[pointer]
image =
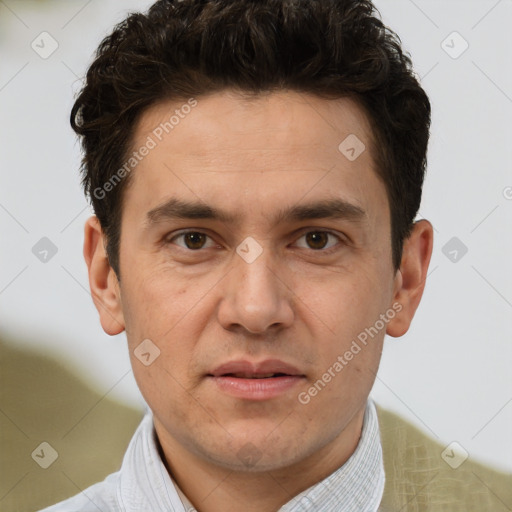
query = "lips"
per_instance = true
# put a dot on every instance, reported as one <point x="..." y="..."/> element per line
<point x="256" y="381"/>
<point x="263" y="370"/>
<point x="254" y="375"/>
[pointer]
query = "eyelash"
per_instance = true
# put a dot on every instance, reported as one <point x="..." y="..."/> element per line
<point x="304" y="233"/>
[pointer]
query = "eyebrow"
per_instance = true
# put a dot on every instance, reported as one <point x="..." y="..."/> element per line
<point x="324" y="209"/>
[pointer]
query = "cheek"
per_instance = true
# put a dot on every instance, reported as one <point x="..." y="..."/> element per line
<point x="161" y="306"/>
<point x="156" y="301"/>
<point x="347" y="318"/>
<point x="346" y="301"/>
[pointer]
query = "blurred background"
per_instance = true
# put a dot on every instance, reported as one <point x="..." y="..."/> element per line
<point x="450" y="375"/>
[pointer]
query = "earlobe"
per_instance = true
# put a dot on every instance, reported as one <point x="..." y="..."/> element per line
<point x="410" y="278"/>
<point x="103" y="281"/>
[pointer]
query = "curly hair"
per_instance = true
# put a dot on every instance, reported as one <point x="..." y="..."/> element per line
<point x="187" y="48"/>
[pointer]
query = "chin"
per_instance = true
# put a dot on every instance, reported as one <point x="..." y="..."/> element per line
<point x="258" y="453"/>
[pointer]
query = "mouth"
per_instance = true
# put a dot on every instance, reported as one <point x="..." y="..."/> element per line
<point x="254" y="375"/>
<point x="256" y="381"/>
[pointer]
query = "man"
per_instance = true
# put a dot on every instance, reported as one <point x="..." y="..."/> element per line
<point x="255" y="170"/>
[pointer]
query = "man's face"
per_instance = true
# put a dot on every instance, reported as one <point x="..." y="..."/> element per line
<point x="290" y="301"/>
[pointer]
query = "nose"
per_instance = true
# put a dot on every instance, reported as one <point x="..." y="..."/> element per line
<point x="255" y="296"/>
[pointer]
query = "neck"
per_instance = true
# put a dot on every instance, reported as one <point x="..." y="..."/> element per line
<point x="211" y="488"/>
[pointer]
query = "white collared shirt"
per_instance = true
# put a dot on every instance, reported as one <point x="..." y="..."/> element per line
<point x="144" y="485"/>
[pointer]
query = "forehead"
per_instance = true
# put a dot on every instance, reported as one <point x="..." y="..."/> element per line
<point x="260" y="152"/>
<point x="270" y="122"/>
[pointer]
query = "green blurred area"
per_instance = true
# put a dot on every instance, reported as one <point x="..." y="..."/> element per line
<point x="42" y="401"/>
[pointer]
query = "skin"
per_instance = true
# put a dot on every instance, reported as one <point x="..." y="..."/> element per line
<point x="298" y="301"/>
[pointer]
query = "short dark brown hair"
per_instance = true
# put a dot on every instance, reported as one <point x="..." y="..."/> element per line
<point x="187" y="48"/>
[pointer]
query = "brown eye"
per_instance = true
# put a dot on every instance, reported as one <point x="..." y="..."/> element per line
<point x="317" y="239"/>
<point x="192" y="240"/>
<point x="320" y="241"/>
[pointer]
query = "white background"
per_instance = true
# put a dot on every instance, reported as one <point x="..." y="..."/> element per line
<point x="450" y="375"/>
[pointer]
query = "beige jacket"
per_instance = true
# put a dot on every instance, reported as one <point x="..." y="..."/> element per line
<point x="419" y="480"/>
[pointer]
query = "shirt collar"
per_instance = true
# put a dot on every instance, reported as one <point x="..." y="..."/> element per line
<point x="358" y="485"/>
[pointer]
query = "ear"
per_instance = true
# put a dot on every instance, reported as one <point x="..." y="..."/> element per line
<point x="410" y="278"/>
<point x="103" y="281"/>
